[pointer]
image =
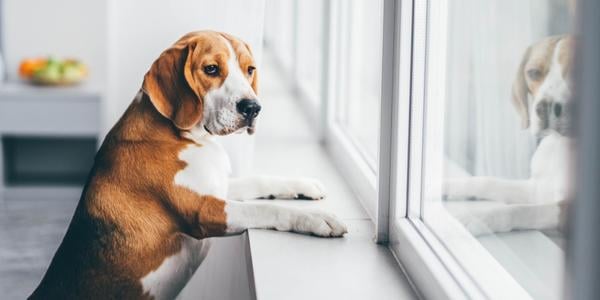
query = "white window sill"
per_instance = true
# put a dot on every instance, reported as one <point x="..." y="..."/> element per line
<point x="532" y="258"/>
<point x="294" y="266"/>
<point x="287" y="266"/>
<point x="265" y="264"/>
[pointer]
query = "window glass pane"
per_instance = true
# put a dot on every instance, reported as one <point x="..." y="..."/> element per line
<point x="309" y="52"/>
<point x="497" y="135"/>
<point x="358" y="100"/>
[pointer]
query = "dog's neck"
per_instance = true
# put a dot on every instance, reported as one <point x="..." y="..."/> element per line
<point x="142" y="122"/>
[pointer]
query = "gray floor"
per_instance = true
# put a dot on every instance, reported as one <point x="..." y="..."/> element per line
<point x="30" y="232"/>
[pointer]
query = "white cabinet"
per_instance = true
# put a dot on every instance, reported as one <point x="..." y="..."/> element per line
<point x="48" y="136"/>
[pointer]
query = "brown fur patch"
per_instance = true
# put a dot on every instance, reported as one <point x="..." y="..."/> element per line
<point x="245" y="59"/>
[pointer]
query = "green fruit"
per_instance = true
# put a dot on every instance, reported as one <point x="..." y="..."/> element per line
<point x="53" y="62"/>
<point x="71" y="73"/>
<point x="50" y="73"/>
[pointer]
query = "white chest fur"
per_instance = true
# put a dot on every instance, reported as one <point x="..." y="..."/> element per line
<point x="171" y="276"/>
<point x="206" y="173"/>
<point x="551" y="168"/>
<point x="207" y="169"/>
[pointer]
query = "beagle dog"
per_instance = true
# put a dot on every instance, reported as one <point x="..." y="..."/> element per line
<point x="542" y="95"/>
<point x="160" y="185"/>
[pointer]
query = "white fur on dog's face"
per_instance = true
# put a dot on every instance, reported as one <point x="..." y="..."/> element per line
<point x="220" y="114"/>
<point x="553" y="92"/>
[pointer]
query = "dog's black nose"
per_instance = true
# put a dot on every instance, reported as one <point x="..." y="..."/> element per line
<point x="248" y="108"/>
<point x="557" y="109"/>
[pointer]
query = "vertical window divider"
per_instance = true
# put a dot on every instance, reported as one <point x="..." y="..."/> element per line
<point x="327" y="41"/>
<point x="294" y="70"/>
<point x="388" y="143"/>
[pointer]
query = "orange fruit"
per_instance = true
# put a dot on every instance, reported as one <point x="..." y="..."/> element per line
<point x="29" y="66"/>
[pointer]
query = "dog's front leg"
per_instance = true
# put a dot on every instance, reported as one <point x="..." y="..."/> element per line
<point x="211" y="216"/>
<point x="491" y="188"/>
<point x="254" y="187"/>
<point x="487" y="217"/>
<point x="242" y="216"/>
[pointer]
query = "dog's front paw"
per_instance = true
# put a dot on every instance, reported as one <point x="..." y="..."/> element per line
<point x="302" y="188"/>
<point x="320" y="224"/>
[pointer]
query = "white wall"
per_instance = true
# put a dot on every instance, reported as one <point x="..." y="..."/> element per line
<point x="119" y="39"/>
<point x="64" y="28"/>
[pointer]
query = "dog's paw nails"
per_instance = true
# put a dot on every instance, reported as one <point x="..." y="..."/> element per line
<point x="308" y="189"/>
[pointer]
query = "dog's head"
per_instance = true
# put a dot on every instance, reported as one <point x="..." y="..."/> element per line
<point x="542" y="91"/>
<point x="206" y="80"/>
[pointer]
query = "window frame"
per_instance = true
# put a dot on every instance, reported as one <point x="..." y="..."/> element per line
<point x="358" y="170"/>
<point x="459" y="266"/>
<point x="392" y="195"/>
<point x="310" y="102"/>
<point x="346" y="153"/>
<point x="583" y="260"/>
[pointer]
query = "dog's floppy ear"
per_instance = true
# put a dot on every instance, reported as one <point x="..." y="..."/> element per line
<point x="520" y="92"/>
<point x="169" y="84"/>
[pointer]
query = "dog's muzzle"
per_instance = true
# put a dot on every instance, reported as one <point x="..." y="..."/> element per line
<point x="556" y="116"/>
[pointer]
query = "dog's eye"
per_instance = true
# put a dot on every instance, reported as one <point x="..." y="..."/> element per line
<point x="211" y="70"/>
<point x="534" y="74"/>
<point x="251" y="70"/>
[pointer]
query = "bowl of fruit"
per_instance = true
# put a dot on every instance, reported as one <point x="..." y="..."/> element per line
<point x="52" y="71"/>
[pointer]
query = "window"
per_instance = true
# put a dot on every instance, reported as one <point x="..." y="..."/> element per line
<point x="309" y="52"/>
<point x="424" y="107"/>
<point x="467" y="180"/>
<point x="295" y="35"/>
<point x="330" y="52"/>
<point x="359" y="70"/>
<point x="353" y="96"/>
